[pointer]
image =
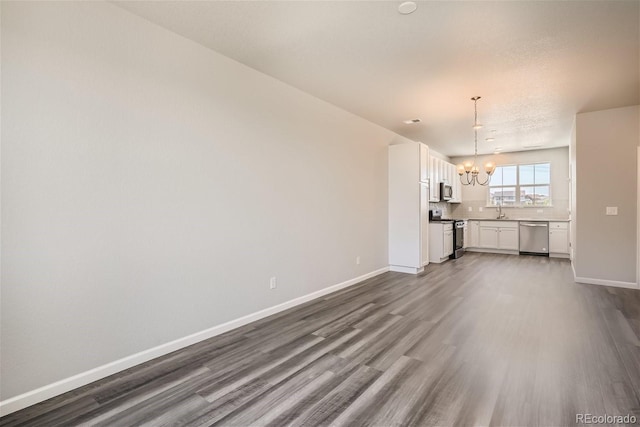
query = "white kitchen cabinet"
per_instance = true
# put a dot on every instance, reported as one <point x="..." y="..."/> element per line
<point x="448" y="242"/>
<point x="447" y="172"/>
<point x="472" y="239"/>
<point x="444" y="176"/>
<point x="456" y="186"/>
<point x="434" y="179"/>
<point x="508" y="239"/>
<point x="441" y="171"/>
<point x="440" y="241"/>
<point x="559" y="238"/>
<point x="408" y="208"/>
<point x="501" y="235"/>
<point x="488" y="237"/>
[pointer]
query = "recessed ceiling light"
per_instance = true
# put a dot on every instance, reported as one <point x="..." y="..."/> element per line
<point x="407" y="7"/>
<point x="490" y="139"/>
<point x="412" y="121"/>
<point x="498" y="148"/>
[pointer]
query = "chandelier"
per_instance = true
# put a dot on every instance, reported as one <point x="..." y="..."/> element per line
<point x="469" y="167"/>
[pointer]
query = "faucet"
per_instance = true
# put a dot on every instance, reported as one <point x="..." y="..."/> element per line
<point x="500" y="214"/>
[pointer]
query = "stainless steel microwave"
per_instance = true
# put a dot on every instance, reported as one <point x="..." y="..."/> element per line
<point x="446" y="192"/>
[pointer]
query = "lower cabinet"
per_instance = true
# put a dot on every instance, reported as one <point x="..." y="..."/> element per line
<point x="559" y="238"/>
<point x="440" y="242"/>
<point x="472" y="239"/>
<point x="488" y="237"/>
<point x="448" y="242"/>
<point x="499" y="235"/>
<point x="508" y="238"/>
<point x="504" y="235"/>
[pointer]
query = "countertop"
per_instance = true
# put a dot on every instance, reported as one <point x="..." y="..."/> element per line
<point x="519" y="219"/>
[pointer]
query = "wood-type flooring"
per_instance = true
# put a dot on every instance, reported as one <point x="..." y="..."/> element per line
<point x="482" y="340"/>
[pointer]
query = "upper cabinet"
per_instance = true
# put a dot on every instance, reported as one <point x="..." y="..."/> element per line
<point x="456" y="185"/>
<point x="441" y="171"/>
<point x="434" y="179"/>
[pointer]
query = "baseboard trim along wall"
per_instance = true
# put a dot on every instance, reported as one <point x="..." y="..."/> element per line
<point x="602" y="282"/>
<point x="401" y="269"/>
<point x="51" y="390"/>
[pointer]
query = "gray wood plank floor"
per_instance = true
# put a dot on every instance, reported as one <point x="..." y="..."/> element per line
<point x="482" y="340"/>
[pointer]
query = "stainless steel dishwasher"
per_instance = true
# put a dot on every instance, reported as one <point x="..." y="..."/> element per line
<point x="534" y="238"/>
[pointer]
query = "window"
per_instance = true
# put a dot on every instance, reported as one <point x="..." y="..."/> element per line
<point x="521" y="185"/>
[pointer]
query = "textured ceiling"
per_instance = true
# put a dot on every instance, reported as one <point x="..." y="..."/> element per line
<point x="535" y="64"/>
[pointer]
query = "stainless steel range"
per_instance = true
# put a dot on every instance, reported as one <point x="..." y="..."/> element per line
<point x="458" y="238"/>
<point x="435" y="215"/>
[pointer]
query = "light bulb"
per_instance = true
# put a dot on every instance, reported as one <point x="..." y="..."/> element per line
<point x="489" y="168"/>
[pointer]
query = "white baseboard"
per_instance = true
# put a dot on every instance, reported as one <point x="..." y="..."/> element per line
<point x="59" y="387"/>
<point x="402" y="269"/>
<point x="603" y="282"/>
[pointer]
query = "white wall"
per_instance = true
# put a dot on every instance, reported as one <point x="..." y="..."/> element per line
<point x="475" y="197"/>
<point x="606" y="165"/>
<point x="150" y="188"/>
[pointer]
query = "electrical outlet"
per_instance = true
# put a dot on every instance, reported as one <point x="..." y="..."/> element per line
<point x="539" y="210"/>
<point x="612" y="210"/>
<point x="480" y="209"/>
<point x="273" y="283"/>
<point x="358" y="260"/>
<point x="470" y="209"/>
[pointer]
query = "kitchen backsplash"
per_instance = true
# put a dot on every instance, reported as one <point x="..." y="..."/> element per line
<point x="446" y="208"/>
<point x="560" y="210"/>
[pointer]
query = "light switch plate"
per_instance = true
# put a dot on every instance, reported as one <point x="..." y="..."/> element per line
<point x="470" y="209"/>
<point x="480" y="209"/>
<point x="612" y="210"/>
